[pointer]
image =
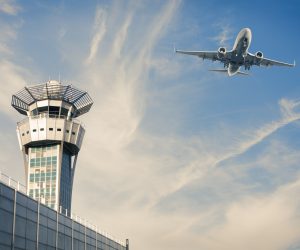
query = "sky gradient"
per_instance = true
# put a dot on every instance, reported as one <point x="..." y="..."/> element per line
<point x="174" y="156"/>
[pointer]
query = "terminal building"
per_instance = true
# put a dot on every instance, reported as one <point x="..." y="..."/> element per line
<point x="39" y="216"/>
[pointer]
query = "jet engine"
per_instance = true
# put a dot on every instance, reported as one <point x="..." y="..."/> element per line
<point x="259" y="56"/>
<point x="221" y="52"/>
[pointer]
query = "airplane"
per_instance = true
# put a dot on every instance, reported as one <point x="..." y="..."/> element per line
<point x="238" y="56"/>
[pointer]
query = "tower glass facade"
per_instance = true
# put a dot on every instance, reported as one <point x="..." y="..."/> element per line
<point x="66" y="180"/>
<point x="49" y="181"/>
<point x="43" y="177"/>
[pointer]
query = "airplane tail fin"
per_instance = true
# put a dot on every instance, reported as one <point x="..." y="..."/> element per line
<point x="225" y="71"/>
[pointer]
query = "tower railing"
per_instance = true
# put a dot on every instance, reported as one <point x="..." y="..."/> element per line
<point x="12" y="183"/>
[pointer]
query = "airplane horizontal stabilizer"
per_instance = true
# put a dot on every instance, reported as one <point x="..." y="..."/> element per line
<point x="225" y="71"/>
<point x="219" y="70"/>
<point x="242" y="73"/>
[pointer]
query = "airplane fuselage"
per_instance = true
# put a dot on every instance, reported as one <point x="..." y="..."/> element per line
<point x="240" y="50"/>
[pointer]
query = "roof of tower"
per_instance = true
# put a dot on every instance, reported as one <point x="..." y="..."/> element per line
<point x="52" y="90"/>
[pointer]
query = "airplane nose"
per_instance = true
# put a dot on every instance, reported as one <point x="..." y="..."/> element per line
<point x="247" y="31"/>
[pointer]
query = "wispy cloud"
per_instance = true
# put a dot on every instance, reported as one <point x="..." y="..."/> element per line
<point x="200" y="168"/>
<point x="99" y="32"/>
<point x="153" y="168"/>
<point x="11" y="74"/>
<point x="121" y="37"/>
<point x="225" y="34"/>
<point x="258" y="222"/>
<point x="8" y="33"/>
<point x="13" y="78"/>
<point x="289" y="115"/>
<point x="121" y="74"/>
<point x="9" y="7"/>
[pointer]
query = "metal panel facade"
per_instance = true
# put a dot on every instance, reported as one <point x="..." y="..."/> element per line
<point x="27" y="224"/>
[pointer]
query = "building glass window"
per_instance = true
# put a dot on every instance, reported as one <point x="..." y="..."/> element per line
<point x="42" y="174"/>
<point x="66" y="181"/>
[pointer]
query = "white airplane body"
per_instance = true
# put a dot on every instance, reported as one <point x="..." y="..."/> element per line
<point x="238" y="56"/>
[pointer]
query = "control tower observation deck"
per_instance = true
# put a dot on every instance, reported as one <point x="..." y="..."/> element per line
<point x="50" y="139"/>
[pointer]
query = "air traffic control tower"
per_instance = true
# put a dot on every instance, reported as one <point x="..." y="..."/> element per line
<point x="50" y="139"/>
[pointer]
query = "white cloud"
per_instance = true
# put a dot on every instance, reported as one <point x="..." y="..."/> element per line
<point x="289" y="115"/>
<point x="224" y="35"/>
<point x="268" y="222"/>
<point x="4" y="49"/>
<point x="12" y="77"/>
<point x="121" y="37"/>
<point x="9" y="7"/>
<point x="121" y="75"/>
<point x="7" y="35"/>
<point x="207" y="161"/>
<point x="99" y="32"/>
<point x="11" y="74"/>
<point x="131" y="170"/>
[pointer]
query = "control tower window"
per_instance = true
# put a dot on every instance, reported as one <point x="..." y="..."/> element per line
<point x="53" y="111"/>
<point x="43" y="110"/>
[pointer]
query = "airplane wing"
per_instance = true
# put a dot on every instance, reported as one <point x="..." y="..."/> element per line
<point x="211" y="55"/>
<point x="269" y="62"/>
<point x="253" y="60"/>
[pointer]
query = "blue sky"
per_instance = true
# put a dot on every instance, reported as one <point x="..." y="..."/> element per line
<point x="172" y="152"/>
